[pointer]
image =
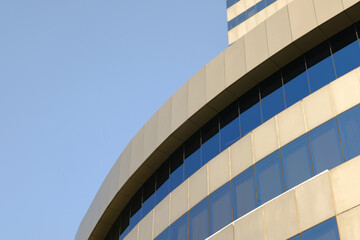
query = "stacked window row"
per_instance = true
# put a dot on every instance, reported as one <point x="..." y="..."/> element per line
<point x="249" y="13"/>
<point x="308" y="155"/>
<point x="308" y="73"/>
<point x="327" y="230"/>
<point x="229" y="3"/>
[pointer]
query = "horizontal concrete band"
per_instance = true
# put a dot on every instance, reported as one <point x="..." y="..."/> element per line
<point x="333" y="99"/>
<point x="245" y="63"/>
<point x="331" y="193"/>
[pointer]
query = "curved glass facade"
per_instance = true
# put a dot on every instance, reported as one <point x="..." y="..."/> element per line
<point x="318" y="67"/>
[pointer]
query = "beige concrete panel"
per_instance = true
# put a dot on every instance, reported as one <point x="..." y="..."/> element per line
<point x="302" y="17"/>
<point x="219" y="171"/>
<point x="345" y="181"/>
<point x="179" y="109"/>
<point x="314" y="201"/>
<point x="137" y="147"/>
<point x="164" y="121"/>
<point x="150" y="135"/>
<point x="226" y="233"/>
<point x="251" y="23"/>
<point x="215" y="76"/>
<point x="346" y="91"/>
<point x="241" y="155"/>
<point x="196" y="92"/>
<point x="349" y="224"/>
<point x="280" y="216"/>
<point x="260" y="16"/>
<point x="326" y="9"/>
<point x="256" y="49"/>
<point x="265" y="139"/>
<point x="161" y="216"/>
<point x="198" y="186"/>
<point x="318" y="108"/>
<point x="249" y="3"/>
<point x="231" y="12"/>
<point x="179" y="201"/>
<point x="251" y="226"/>
<point x="278" y="31"/>
<point x="125" y="159"/>
<point x="237" y="32"/>
<point x="234" y="62"/>
<point x="146" y="227"/>
<point x="349" y="3"/>
<point x="112" y="180"/>
<point x="133" y="234"/>
<point x="291" y="123"/>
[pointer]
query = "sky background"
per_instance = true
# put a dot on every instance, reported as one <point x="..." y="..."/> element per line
<point x="78" y="79"/>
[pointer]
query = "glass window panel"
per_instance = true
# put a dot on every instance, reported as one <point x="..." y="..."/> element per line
<point x="296" y="162"/>
<point x="272" y="96"/>
<point x="164" y="235"/>
<point x="220" y="208"/>
<point x="162" y="182"/>
<point x="324" y="231"/>
<point x="179" y="229"/>
<point x="346" y="51"/>
<point x="240" y="18"/>
<point x="260" y="5"/>
<point x="297" y="237"/>
<point x="199" y="221"/>
<point x="251" y="11"/>
<point x="210" y="146"/>
<point x="124" y="222"/>
<point x="148" y="195"/>
<point x="349" y="126"/>
<point x="269" y="2"/>
<point x="250" y="112"/>
<point x="244" y="192"/>
<point x="296" y="84"/>
<point x="192" y="155"/>
<point x="320" y="66"/>
<point x="232" y="23"/>
<point x="176" y="168"/>
<point x="325" y="147"/>
<point x="269" y="178"/>
<point x="135" y="208"/>
<point x="229" y="126"/>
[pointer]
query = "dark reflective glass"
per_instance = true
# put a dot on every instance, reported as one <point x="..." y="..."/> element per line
<point x="244" y="192"/>
<point x="349" y="126"/>
<point x="297" y="237"/>
<point x="164" y="235"/>
<point x="210" y="146"/>
<point x="179" y="229"/>
<point x="220" y="208"/>
<point x="272" y="96"/>
<point x="260" y="5"/>
<point x="199" y="221"/>
<point x="296" y="84"/>
<point x="162" y="182"/>
<point x="148" y="195"/>
<point x="229" y="126"/>
<point x="320" y="66"/>
<point x="324" y="231"/>
<point x="251" y="11"/>
<point x="346" y="51"/>
<point x="176" y="161"/>
<point x="296" y="162"/>
<point x="192" y="155"/>
<point x="241" y="18"/>
<point x="269" y="2"/>
<point x="135" y="209"/>
<point x="232" y="23"/>
<point x="114" y="232"/>
<point x="250" y="112"/>
<point x="325" y="147"/>
<point x="124" y="222"/>
<point x="269" y="178"/>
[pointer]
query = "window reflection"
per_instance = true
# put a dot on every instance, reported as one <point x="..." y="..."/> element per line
<point x="250" y="112"/>
<point x="148" y="195"/>
<point x="192" y="155"/>
<point x="135" y="209"/>
<point x="297" y="237"/>
<point x="164" y="235"/>
<point x="324" y="231"/>
<point x="325" y="147"/>
<point x="162" y="182"/>
<point x="124" y="222"/>
<point x="210" y="146"/>
<point x="179" y="229"/>
<point x="176" y="169"/>
<point x="229" y="126"/>
<point x="199" y="221"/>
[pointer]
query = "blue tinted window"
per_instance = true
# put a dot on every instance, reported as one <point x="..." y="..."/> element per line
<point x="346" y="51"/>
<point x="210" y="146"/>
<point x="229" y="126"/>
<point x="232" y="23"/>
<point x="250" y="112"/>
<point x="244" y="192"/>
<point x="192" y="155"/>
<point x="179" y="229"/>
<point x="241" y="18"/>
<point x="260" y="6"/>
<point x="220" y="208"/>
<point x="296" y="162"/>
<point x="324" y="231"/>
<point x="164" y="235"/>
<point x="162" y="182"/>
<point x="135" y="209"/>
<point x="269" y="2"/>
<point x="251" y="12"/>
<point x="295" y="82"/>
<point x="269" y="178"/>
<point x="349" y="126"/>
<point x="325" y="146"/>
<point x="272" y="97"/>
<point x="297" y="237"/>
<point x="148" y="195"/>
<point x="176" y="161"/>
<point x="199" y="221"/>
<point x="320" y="66"/>
<point x="124" y="222"/>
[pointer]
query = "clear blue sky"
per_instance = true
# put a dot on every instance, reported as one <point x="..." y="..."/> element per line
<point x="78" y="79"/>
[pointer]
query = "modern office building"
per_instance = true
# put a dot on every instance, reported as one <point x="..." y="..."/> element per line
<point x="261" y="143"/>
